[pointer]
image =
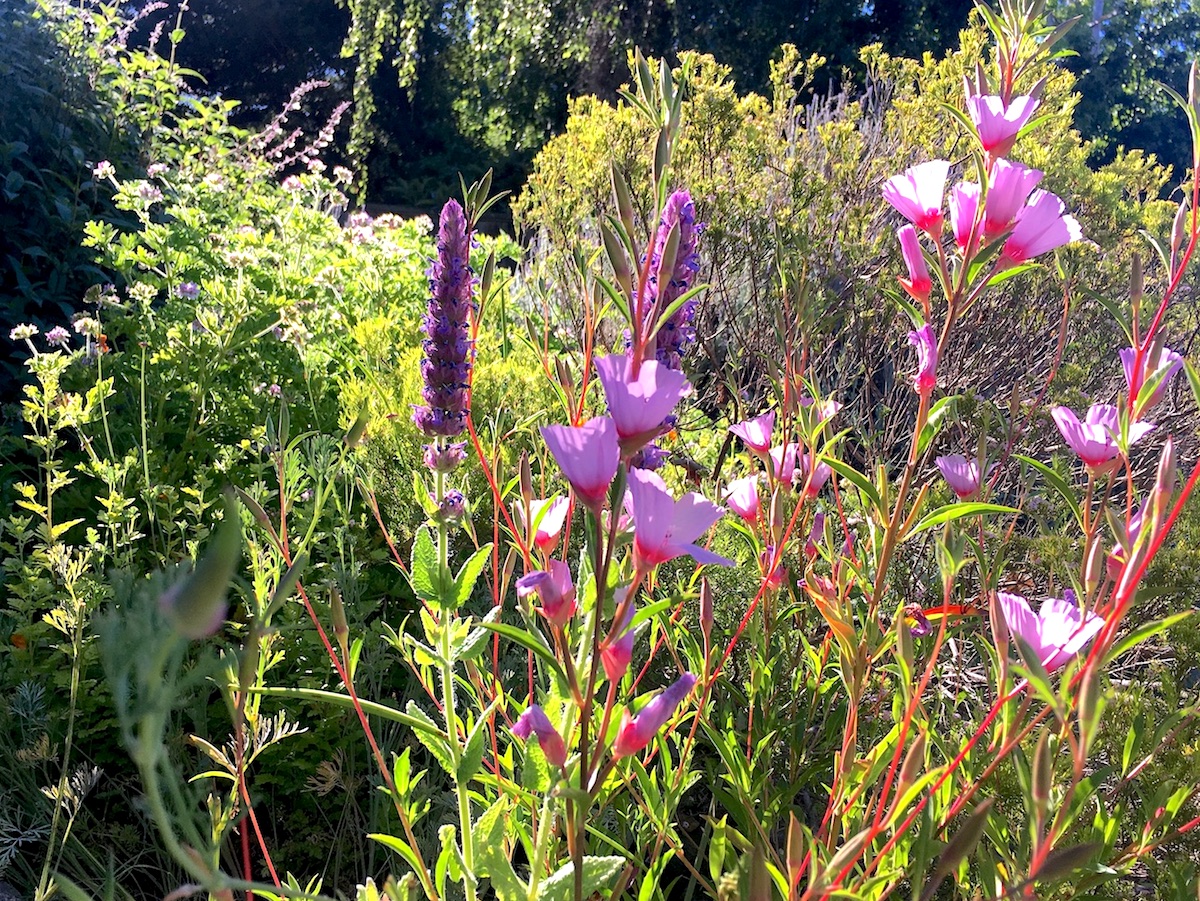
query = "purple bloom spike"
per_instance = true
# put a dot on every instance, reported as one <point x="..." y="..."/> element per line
<point x="677" y="331"/>
<point x="449" y="352"/>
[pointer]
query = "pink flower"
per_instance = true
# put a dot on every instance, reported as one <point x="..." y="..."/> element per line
<point x="550" y="525"/>
<point x="1041" y="227"/>
<point x="637" y="732"/>
<point x="554" y="589"/>
<point x="917" y="194"/>
<point x="535" y="722"/>
<point x="1167" y="364"/>
<point x="997" y="124"/>
<point x="815" y="534"/>
<point x="820" y="475"/>
<point x="918" y="283"/>
<point x="925" y="341"/>
<point x="964" y="206"/>
<point x="665" y="528"/>
<point x="639" y="406"/>
<point x="742" y="496"/>
<point x="825" y="409"/>
<point x="1095" y="439"/>
<point x="588" y="456"/>
<point x="1117" y="556"/>
<point x="756" y="432"/>
<point x="774" y="578"/>
<point x="1010" y="187"/>
<point x="616" y="654"/>
<point x="783" y="462"/>
<point x="1058" y="632"/>
<point x="961" y="474"/>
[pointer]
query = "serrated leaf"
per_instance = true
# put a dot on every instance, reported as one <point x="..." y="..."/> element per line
<point x="425" y="574"/>
<point x="535" y="772"/>
<point x="432" y="738"/>
<point x="598" y="874"/>
<point x="490" y="859"/>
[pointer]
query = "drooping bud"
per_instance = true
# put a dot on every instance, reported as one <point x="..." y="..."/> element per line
<point x="196" y="604"/>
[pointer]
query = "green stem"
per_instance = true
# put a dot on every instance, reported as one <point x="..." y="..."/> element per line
<point x="538" y="865"/>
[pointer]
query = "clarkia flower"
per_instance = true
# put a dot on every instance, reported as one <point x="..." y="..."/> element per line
<point x="819" y="475"/>
<point x="1168" y="363"/>
<point x="665" y="528"/>
<point x="783" y="461"/>
<point x="639" y="406"/>
<point x="772" y="578"/>
<point x="925" y="341"/>
<point x="550" y="526"/>
<point x="449" y="351"/>
<point x="554" y="589"/>
<point x="961" y="474"/>
<point x="615" y="655"/>
<point x="918" y="283"/>
<point x="588" y="456"/>
<point x="742" y="497"/>
<point x="815" y="534"/>
<point x="997" y="123"/>
<point x="1095" y="439"/>
<point x="756" y="432"/>
<point x="1058" y="632"/>
<point x="1041" y="227"/>
<point x="964" y="206"/>
<point x="917" y="194"/>
<point x="535" y="722"/>
<point x="677" y="331"/>
<point x="1010" y="186"/>
<point x="637" y="732"/>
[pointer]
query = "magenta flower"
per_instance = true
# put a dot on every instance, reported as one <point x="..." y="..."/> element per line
<point x="535" y="722"/>
<point x="820" y="475"/>
<point x="588" y="456"/>
<point x="1041" y="227"/>
<point x="925" y="341"/>
<point x="554" y="589"/>
<point x="917" y="194"/>
<point x="639" y="406"/>
<point x="1010" y="187"/>
<point x="550" y="526"/>
<point x="665" y="528"/>
<point x="918" y="283"/>
<point x="615" y="655"/>
<point x="1095" y="439"/>
<point x="756" y="432"/>
<point x="1057" y="633"/>
<point x="1168" y="364"/>
<point x="1117" y="557"/>
<point x="964" y="206"/>
<point x="637" y="732"/>
<point x="742" y="497"/>
<point x="961" y="474"/>
<point x="998" y="124"/>
<point x="58" y="337"/>
<point x="783" y="461"/>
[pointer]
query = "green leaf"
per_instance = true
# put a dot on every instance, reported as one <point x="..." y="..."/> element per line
<point x="1057" y="483"/>
<point x="400" y="846"/>
<point x="933" y="424"/>
<point x="1145" y="632"/>
<point x="432" y="738"/>
<point x="951" y="512"/>
<point x="535" y="772"/>
<point x="425" y="570"/>
<point x="490" y="859"/>
<point x="856" y="478"/>
<point x="598" y="874"/>
<point x="464" y="582"/>
<point x="530" y="641"/>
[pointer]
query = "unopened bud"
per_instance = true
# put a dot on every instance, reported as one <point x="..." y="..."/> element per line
<point x="196" y="604"/>
<point x="1179" y="229"/>
<point x="1164" y="480"/>
<point x="1094" y="569"/>
<point x="706" y="609"/>
<point x="526" y="479"/>
<point x="338" y="612"/>
<point x="359" y="428"/>
<point x="777" y="517"/>
<point x="1137" y="283"/>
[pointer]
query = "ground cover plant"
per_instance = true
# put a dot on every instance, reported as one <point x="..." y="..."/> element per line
<point x="368" y="567"/>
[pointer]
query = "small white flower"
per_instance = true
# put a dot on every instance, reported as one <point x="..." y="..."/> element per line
<point x="23" y="332"/>
<point x="104" y="169"/>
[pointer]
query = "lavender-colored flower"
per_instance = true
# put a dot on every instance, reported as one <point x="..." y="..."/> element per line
<point x="444" y="459"/>
<point x="275" y="391"/>
<point x="292" y="184"/>
<point x="187" y="290"/>
<point x="58" y="337"/>
<point x="154" y="170"/>
<point x="535" y="722"/>
<point x="1058" y="632"/>
<point x="452" y="506"/>
<point x="638" y="731"/>
<point x="449" y="351"/>
<point x="1167" y="364"/>
<point x="961" y="474"/>
<point x="650" y="457"/>
<point x="1095" y="438"/>
<point x="676" y="332"/>
<point x="149" y="193"/>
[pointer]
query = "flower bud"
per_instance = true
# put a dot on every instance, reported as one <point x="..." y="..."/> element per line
<point x="1179" y="229"/>
<point x="526" y="479"/>
<point x="777" y="517"/>
<point x="1094" y="569"/>
<point x="706" y="609"/>
<point x="338" y="612"/>
<point x="196" y="604"/>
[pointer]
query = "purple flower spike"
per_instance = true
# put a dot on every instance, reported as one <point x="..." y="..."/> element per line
<point x="1058" y="632"/>
<point x="639" y="406"/>
<point x="1095" y="439"/>
<point x="535" y="722"/>
<point x="637" y="732"/>
<point x="665" y="528"/>
<point x="677" y="332"/>
<point x="449" y="352"/>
